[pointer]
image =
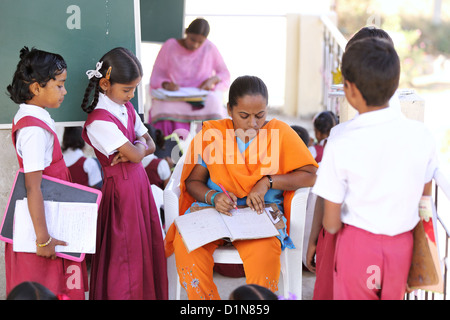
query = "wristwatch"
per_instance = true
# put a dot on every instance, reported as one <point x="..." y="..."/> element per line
<point x="270" y="181"/>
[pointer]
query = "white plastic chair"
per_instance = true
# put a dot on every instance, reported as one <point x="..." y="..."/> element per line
<point x="291" y="259"/>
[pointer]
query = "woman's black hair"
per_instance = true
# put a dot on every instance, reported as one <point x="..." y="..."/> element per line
<point x="34" y="66"/>
<point x="125" y="68"/>
<point x="246" y="85"/>
<point x="72" y="138"/>
<point x="324" y="121"/>
<point x="199" y="26"/>
<point x="29" y="290"/>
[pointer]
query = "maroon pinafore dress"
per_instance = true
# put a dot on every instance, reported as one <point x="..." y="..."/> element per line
<point x="78" y="174"/>
<point x="61" y="276"/>
<point x="129" y="263"/>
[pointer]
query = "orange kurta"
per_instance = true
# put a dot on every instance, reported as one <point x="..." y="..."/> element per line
<point x="277" y="149"/>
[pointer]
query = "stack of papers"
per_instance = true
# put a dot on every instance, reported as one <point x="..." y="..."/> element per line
<point x="72" y="222"/>
<point x="183" y="94"/>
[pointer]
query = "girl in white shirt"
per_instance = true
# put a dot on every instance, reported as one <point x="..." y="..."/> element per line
<point x="129" y="263"/>
<point x="84" y="170"/>
<point x="38" y="84"/>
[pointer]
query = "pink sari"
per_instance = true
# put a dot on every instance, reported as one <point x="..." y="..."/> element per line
<point x="188" y="69"/>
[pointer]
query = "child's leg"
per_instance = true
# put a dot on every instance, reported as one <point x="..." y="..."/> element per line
<point x="261" y="258"/>
<point x="195" y="270"/>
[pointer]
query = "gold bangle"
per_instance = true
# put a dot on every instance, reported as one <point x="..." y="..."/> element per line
<point x="41" y="245"/>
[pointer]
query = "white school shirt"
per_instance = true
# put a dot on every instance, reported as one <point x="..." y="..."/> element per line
<point x="90" y="166"/>
<point x="377" y="167"/>
<point x="34" y="144"/>
<point x="394" y="103"/>
<point x="163" y="168"/>
<point x="105" y="136"/>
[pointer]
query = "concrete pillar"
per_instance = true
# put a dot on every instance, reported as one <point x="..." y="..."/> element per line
<point x="412" y="106"/>
<point x="304" y="59"/>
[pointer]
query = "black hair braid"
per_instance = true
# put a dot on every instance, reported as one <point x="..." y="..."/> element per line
<point x="93" y="85"/>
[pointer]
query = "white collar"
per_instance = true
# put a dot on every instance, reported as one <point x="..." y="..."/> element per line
<point x="72" y="155"/>
<point x="34" y="111"/>
<point x="104" y="102"/>
<point x="375" y="117"/>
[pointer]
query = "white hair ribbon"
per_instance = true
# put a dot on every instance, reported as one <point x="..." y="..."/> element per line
<point x="95" y="73"/>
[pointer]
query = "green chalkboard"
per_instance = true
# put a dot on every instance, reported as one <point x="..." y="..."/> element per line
<point x="161" y="20"/>
<point x="82" y="31"/>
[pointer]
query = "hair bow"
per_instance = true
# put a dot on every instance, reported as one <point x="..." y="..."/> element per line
<point x="95" y="73"/>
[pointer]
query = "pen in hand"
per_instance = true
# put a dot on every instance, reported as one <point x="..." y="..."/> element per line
<point x="170" y="85"/>
<point x="226" y="193"/>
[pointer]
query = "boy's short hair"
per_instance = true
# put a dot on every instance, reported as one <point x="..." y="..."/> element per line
<point x="373" y="65"/>
<point x="369" y="32"/>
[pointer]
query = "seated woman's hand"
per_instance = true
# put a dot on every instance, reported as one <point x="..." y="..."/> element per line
<point x="209" y="83"/>
<point x="171" y="86"/>
<point x="255" y="199"/>
<point x="223" y="204"/>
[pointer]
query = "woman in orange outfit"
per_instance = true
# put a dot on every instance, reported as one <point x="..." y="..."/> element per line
<point x="257" y="162"/>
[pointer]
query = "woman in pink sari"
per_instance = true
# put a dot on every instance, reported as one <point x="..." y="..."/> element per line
<point x="193" y="61"/>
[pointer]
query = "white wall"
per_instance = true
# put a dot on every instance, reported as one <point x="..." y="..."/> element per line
<point x="251" y="36"/>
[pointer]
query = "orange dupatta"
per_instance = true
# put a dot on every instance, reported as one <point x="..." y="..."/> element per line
<point x="277" y="149"/>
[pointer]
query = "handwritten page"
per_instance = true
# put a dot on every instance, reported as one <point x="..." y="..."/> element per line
<point x="201" y="227"/>
<point x="247" y="224"/>
<point x="72" y="222"/>
<point x="204" y="226"/>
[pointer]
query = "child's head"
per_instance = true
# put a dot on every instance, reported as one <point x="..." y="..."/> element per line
<point x="373" y="66"/>
<point x="40" y="77"/>
<point x="72" y="138"/>
<point x="156" y="135"/>
<point x="369" y="32"/>
<point x="323" y="123"/>
<point x="302" y="133"/>
<point x="29" y="290"/>
<point x="117" y="75"/>
<point x="252" y="292"/>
